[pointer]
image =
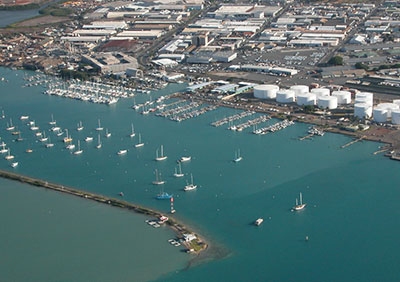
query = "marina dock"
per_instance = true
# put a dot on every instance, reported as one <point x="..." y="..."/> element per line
<point x="197" y="244"/>
<point x="352" y="142"/>
<point x="232" y="118"/>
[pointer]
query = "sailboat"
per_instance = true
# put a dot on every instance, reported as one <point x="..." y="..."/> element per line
<point x="98" y="146"/>
<point x="299" y="206"/>
<point x="108" y="134"/>
<point x="52" y="122"/>
<point x="99" y="128"/>
<point x="79" y="151"/>
<point x="3" y="150"/>
<point x="43" y="138"/>
<point x="190" y="186"/>
<point x="139" y="143"/>
<point x="160" y="157"/>
<point x="238" y="157"/>
<point x="9" y="156"/>
<point x="133" y="132"/>
<point x="49" y="144"/>
<point x="158" y="180"/>
<point x="10" y="126"/>
<point x="122" y="152"/>
<point x="67" y="138"/>
<point x="178" y="171"/>
<point x="80" y="126"/>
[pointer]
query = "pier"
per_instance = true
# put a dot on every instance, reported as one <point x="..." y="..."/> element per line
<point x="197" y="245"/>
<point x="306" y="137"/>
<point x="352" y="142"/>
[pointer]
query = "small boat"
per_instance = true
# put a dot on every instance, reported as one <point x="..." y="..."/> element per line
<point x="190" y="186"/>
<point x="52" y="122"/>
<point x="238" y="157"/>
<point x="98" y="146"/>
<point x="185" y="159"/>
<point x="139" y="143"/>
<point x="160" y="157"/>
<point x="108" y="134"/>
<point x="79" y="151"/>
<point x="70" y="146"/>
<point x="132" y="132"/>
<point x="80" y="126"/>
<point x="99" y="128"/>
<point x="164" y="196"/>
<point x="67" y="138"/>
<point x="24" y="117"/>
<point x="259" y="221"/>
<point x="29" y="150"/>
<point x="121" y="194"/>
<point x="158" y="180"/>
<point x="299" y="205"/>
<point x="122" y="152"/>
<point x="3" y="150"/>
<point x="19" y="138"/>
<point x="9" y="156"/>
<point x="60" y="133"/>
<point x="14" y="164"/>
<point x="178" y="171"/>
<point x="34" y="127"/>
<point x="55" y="129"/>
<point x="10" y="126"/>
<point x="89" y="139"/>
<point x="49" y="144"/>
<point x="43" y="138"/>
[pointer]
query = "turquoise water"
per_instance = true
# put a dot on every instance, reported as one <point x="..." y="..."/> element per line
<point x="350" y="219"/>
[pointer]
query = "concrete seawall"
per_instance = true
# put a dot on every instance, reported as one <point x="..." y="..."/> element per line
<point x="196" y="245"/>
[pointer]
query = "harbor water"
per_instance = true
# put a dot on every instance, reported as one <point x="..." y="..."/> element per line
<point x="347" y="232"/>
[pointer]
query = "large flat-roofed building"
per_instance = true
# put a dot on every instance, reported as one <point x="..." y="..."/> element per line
<point x="242" y="12"/>
<point x="108" y="63"/>
<point x="106" y="25"/>
<point x="141" y="34"/>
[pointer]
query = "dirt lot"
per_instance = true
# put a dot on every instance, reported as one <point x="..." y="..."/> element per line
<point x="41" y="20"/>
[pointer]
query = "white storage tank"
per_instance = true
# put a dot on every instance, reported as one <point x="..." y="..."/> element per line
<point x="285" y="96"/>
<point x="266" y="91"/>
<point x="364" y="97"/>
<point x="389" y="107"/>
<point x="321" y="92"/>
<point x="298" y="89"/>
<point x="362" y="110"/>
<point x="306" y="99"/>
<point x="327" y="102"/>
<point x="380" y="115"/>
<point x="344" y="97"/>
<point x="396" y="116"/>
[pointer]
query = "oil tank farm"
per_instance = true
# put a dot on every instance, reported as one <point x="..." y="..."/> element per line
<point x="343" y="97"/>
<point x="285" y="96"/>
<point x="266" y="91"/>
<point x="327" y="102"/>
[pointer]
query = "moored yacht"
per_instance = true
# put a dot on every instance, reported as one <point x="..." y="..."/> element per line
<point x="299" y="205"/>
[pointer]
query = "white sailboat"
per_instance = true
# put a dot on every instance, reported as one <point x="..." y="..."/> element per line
<point x="122" y="152"/>
<point x="43" y="138"/>
<point x="158" y="180"/>
<point x="3" y="150"/>
<point x="99" y="128"/>
<point x="132" y="132"/>
<point x="98" y="146"/>
<point x="161" y="157"/>
<point x="14" y="164"/>
<point x="178" y="171"/>
<point x="52" y="122"/>
<point x="10" y="126"/>
<point x="108" y="134"/>
<point x="139" y="143"/>
<point x="190" y="186"/>
<point x="79" y="151"/>
<point x="89" y="139"/>
<point x="238" y="157"/>
<point x="49" y="144"/>
<point x="299" y="206"/>
<point x="9" y="156"/>
<point x="80" y="126"/>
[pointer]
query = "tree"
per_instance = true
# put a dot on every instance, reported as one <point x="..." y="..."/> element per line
<point x="361" y="66"/>
<point x="336" y="61"/>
